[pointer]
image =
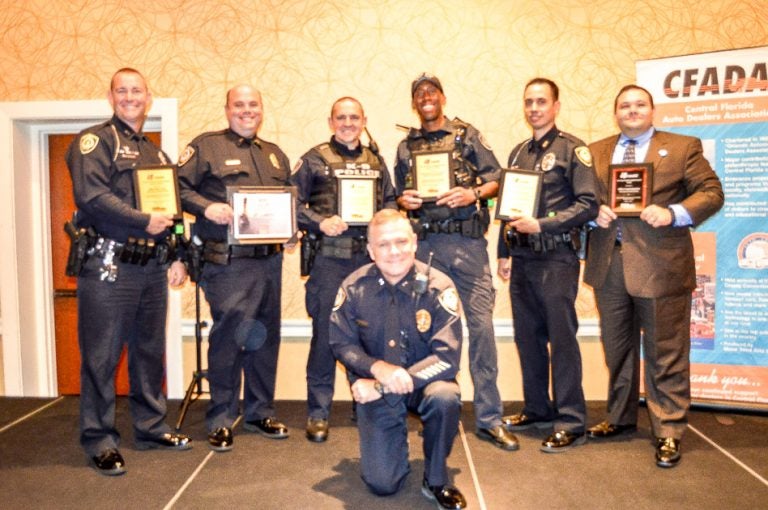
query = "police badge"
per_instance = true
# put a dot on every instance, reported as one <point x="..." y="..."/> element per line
<point x="548" y="161"/>
<point x="273" y="160"/>
<point x="423" y="320"/>
<point x="88" y="142"/>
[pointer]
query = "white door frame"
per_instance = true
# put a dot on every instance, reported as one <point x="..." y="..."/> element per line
<point x="26" y="283"/>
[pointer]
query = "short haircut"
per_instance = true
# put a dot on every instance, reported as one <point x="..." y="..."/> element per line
<point x="347" y="98"/>
<point x="625" y="88"/>
<point x="126" y="70"/>
<point x="545" y="81"/>
<point x="383" y="217"/>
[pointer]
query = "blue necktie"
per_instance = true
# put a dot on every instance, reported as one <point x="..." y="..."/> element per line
<point x="629" y="157"/>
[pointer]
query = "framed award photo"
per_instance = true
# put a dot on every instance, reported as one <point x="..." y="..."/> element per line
<point x="262" y="214"/>
<point x="432" y="173"/>
<point x="630" y="186"/>
<point x="157" y="190"/>
<point x="518" y="194"/>
<point x="356" y="197"/>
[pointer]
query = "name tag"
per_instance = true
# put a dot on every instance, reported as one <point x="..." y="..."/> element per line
<point x="232" y="162"/>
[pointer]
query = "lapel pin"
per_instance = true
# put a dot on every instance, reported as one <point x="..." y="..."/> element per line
<point x="663" y="153"/>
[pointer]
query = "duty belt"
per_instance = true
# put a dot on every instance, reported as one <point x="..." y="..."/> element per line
<point x="468" y="228"/>
<point x="343" y="247"/>
<point x="134" y="251"/>
<point x="543" y="241"/>
<point x="219" y="252"/>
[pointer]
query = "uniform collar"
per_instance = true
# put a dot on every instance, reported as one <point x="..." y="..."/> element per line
<point x="127" y="130"/>
<point x="405" y="285"/>
<point x="543" y="143"/>
<point x="445" y="129"/>
<point x="243" y="141"/>
<point x="343" y="151"/>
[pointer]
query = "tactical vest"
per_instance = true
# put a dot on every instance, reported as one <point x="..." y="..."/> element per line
<point x="323" y="199"/>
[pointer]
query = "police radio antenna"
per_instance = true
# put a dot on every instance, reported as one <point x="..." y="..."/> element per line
<point x="421" y="281"/>
<point x="371" y="142"/>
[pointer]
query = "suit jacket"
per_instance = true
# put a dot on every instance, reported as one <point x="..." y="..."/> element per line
<point x="658" y="262"/>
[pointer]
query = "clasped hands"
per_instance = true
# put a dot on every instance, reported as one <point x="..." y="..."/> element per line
<point x="393" y="379"/>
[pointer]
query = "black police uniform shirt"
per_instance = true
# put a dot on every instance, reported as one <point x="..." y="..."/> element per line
<point x="102" y="160"/>
<point x="475" y="150"/>
<point x="569" y="187"/>
<point x="218" y="159"/>
<point x="312" y="176"/>
<point x="373" y="320"/>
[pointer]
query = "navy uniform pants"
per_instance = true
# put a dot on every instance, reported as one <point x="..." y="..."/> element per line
<point x="243" y="344"/>
<point x="465" y="261"/>
<point x="130" y="311"/>
<point x="321" y="288"/>
<point x="384" y="435"/>
<point x="543" y="292"/>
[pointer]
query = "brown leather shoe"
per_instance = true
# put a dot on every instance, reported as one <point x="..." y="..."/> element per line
<point x="500" y="437"/>
<point x="561" y="441"/>
<point x="605" y="429"/>
<point x="522" y="421"/>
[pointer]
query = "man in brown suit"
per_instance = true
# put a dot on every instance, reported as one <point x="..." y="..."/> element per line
<point x="642" y="270"/>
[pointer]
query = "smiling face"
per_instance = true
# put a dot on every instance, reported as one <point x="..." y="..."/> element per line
<point x="130" y="98"/>
<point x="392" y="245"/>
<point x="244" y="110"/>
<point x="540" y="108"/>
<point x="428" y="101"/>
<point x="634" y="112"/>
<point x="347" y="122"/>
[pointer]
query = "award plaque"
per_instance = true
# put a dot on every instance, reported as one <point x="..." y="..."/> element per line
<point x="432" y="173"/>
<point x="518" y="194"/>
<point x="630" y="186"/>
<point x="157" y="190"/>
<point x="357" y="199"/>
<point x="262" y="214"/>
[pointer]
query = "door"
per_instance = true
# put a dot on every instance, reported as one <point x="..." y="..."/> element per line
<point x="65" y="287"/>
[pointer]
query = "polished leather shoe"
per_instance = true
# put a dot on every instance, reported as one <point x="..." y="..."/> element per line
<point x="499" y="436"/>
<point x="267" y="427"/>
<point x="605" y="429"/>
<point x="445" y="496"/>
<point x="109" y="462"/>
<point x="561" y="441"/>
<point x="167" y="441"/>
<point x="317" y="429"/>
<point x="667" y="452"/>
<point x="221" y="440"/>
<point x="523" y="421"/>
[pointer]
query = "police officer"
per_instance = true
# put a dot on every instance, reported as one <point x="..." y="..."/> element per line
<point x="122" y="289"/>
<point x="453" y="228"/>
<point x="544" y="271"/>
<point x="241" y="282"/>
<point x="332" y="247"/>
<point x="396" y="328"/>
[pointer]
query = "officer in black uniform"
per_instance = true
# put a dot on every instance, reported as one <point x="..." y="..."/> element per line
<point x="331" y="247"/>
<point x="122" y="289"/>
<point x="453" y="228"/>
<point x="396" y="328"/>
<point x="241" y="282"/>
<point x="544" y="272"/>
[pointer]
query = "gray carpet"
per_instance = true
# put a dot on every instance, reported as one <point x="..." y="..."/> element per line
<point x="42" y="466"/>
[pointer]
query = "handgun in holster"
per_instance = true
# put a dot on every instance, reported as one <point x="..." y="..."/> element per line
<point x="309" y="244"/>
<point x="78" y="248"/>
<point x="194" y="252"/>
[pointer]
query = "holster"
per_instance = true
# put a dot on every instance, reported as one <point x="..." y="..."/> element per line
<point x="78" y="248"/>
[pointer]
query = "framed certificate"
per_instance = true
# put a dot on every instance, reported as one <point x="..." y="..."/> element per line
<point x="519" y="192"/>
<point x="357" y="199"/>
<point x="630" y="186"/>
<point x="432" y="173"/>
<point x="157" y="190"/>
<point x="262" y="214"/>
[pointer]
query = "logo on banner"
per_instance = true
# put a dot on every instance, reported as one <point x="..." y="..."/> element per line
<point x="753" y="251"/>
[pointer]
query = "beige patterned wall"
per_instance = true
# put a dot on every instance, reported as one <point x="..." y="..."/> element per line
<point x="304" y="54"/>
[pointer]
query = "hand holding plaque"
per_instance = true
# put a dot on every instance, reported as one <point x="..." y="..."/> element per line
<point x="432" y="173"/>
<point x="630" y="188"/>
<point x="519" y="192"/>
<point x="157" y="190"/>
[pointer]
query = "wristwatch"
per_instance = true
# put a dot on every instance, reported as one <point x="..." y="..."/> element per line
<point x="477" y="193"/>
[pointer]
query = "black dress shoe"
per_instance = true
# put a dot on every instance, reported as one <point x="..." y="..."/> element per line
<point x="109" y="462"/>
<point x="667" y="452"/>
<point x="167" y="441"/>
<point x="499" y="436"/>
<point x="605" y="429"/>
<point x="445" y="496"/>
<point x="561" y="441"/>
<point x="221" y="440"/>
<point x="522" y="421"/>
<point x="317" y="429"/>
<point x="267" y="427"/>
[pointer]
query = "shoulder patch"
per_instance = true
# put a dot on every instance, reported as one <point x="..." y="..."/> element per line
<point x="341" y="297"/>
<point x="584" y="155"/>
<point x="189" y="151"/>
<point x="88" y="142"/>
<point x="449" y="300"/>
<point x="297" y="166"/>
